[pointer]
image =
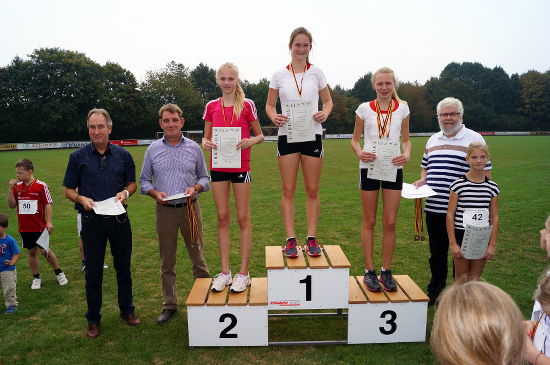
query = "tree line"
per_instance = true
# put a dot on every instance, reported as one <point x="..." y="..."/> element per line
<point x="47" y="96"/>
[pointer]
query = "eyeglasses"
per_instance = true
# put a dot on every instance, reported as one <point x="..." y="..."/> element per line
<point x="103" y="162"/>
<point x="446" y="115"/>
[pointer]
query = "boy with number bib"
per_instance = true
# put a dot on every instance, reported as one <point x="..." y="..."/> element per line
<point x="34" y="215"/>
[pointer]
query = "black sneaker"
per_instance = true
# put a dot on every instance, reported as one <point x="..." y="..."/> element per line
<point x="387" y="280"/>
<point x="372" y="281"/>
<point x="290" y="249"/>
<point x="312" y="248"/>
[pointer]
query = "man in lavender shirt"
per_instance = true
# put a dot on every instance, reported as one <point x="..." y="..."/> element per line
<point x="172" y="165"/>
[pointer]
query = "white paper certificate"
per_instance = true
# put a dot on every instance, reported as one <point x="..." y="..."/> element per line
<point x="44" y="241"/>
<point x="382" y="168"/>
<point x="412" y="192"/>
<point x="175" y="196"/>
<point x="109" y="207"/>
<point x="226" y="155"/>
<point x="475" y="242"/>
<point x="300" y="125"/>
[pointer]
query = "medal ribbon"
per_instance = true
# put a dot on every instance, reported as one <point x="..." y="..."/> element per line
<point x="223" y="113"/>
<point x="296" y="81"/>
<point x="383" y="123"/>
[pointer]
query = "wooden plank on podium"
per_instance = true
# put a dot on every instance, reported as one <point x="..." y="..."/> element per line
<point x="397" y="296"/>
<point x="238" y="298"/>
<point x="217" y="298"/>
<point x="199" y="292"/>
<point x="336" y="256"/>
<point x="298" y="262"/>
<point x="410" y="288"/>
<point x="373" y="297"/>
<point x="356" y="295"/>
<point x="274" y="257"/>
<point x="258" y="291"/>
<point x="318" y="262"/>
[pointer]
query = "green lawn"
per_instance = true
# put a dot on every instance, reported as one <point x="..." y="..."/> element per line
<point x="49" y="326"/>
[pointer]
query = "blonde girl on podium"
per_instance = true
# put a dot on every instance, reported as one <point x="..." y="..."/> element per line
<point x="384" y="119"/>
<point x="232" y="109"/>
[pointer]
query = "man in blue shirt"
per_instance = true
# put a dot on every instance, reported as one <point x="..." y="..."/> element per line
<point x="101" y="170"/>
<point x="176" y="164"/>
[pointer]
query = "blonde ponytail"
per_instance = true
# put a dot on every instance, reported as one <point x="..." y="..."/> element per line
<point x="238" y="103"/>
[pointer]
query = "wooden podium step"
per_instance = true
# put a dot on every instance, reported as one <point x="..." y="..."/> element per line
<point x="306" y="282"/>
<point x="225" y="318"/>
<point x="383" y="317"/>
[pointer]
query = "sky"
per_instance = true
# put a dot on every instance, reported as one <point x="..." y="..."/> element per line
<point x="415" y="38"/>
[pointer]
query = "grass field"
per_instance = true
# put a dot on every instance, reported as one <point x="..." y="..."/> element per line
<point x="49" y="326"/>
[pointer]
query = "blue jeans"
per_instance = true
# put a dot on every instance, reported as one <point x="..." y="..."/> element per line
<point x="96" y="230"/>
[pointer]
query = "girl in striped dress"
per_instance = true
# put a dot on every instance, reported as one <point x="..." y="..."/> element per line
<point x="476" y="196"/>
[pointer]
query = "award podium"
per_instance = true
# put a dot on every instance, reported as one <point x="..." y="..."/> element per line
<point x="306" y="283"/>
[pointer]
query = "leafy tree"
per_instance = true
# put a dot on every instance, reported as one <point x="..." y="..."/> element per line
<point x="342" y="117"/>
<point x="124" y="101"/>
<point x="535" y="97"/>
<point x="362" y="89"/>
<point x="258" y="93"/>
<point x="422" y="114"/>
<point x="204" y="79"/>
<point x="172" y="84"/>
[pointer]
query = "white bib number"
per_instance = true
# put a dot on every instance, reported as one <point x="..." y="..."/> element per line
<point x="476" y="217"/>
<point x="28" y="206"/>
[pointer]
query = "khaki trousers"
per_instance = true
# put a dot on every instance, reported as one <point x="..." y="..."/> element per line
<point x="9" y="281"/>
<point x="169" y="222"/>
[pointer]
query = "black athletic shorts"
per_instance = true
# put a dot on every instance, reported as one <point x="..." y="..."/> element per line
<point x="310" y="148"/>
<point x="373" y="184"/>
<point x="29" y="239"/>
<point x="234" y="177"/>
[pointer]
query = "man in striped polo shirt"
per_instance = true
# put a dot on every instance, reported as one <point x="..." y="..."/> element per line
<point x="443" y="162"/>
<point x="173" y="165"/>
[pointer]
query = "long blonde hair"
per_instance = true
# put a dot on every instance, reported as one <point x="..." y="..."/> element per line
<point x="542" y="294"/>
<point x="477" y="323"/>
<point x="238" y="103"/>
<point x="387" y="70"/>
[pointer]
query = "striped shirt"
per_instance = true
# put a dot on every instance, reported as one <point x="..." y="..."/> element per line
<point x="172" y="169"/>
<point x="472" y="195"/>
<point x="445" y="161"/>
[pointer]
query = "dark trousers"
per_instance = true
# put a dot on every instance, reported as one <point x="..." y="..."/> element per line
<point x="96" y="230"/>
<point x="439" y="250"/>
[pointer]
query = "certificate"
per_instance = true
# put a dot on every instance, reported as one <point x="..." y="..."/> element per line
<point x="412" y="192"/>
<point x="44" y="241"/>
<point x="226" y="155"/>
<point x="109" y="207"/>
<point x="382" y="168"/>
<point x="175" y="197"/>
<point x="300" y="125"/>
<point x="475" y="242"/>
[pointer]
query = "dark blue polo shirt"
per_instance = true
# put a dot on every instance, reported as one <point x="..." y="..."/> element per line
<point x="99" y="177"/>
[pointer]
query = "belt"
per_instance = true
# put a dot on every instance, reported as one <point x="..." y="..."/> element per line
<point x="179" y="205"/>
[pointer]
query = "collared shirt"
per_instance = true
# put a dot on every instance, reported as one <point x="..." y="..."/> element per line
<point x="445" y="161"/>
<point x="173" y="168"/>
<point x="99" y="177"/>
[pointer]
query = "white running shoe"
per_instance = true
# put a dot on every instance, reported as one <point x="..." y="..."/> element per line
<point x="240" y="282"/>
<point x="220" y="281"/>
<point x="36" y="283"/>
<point x="61" y="278"/>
